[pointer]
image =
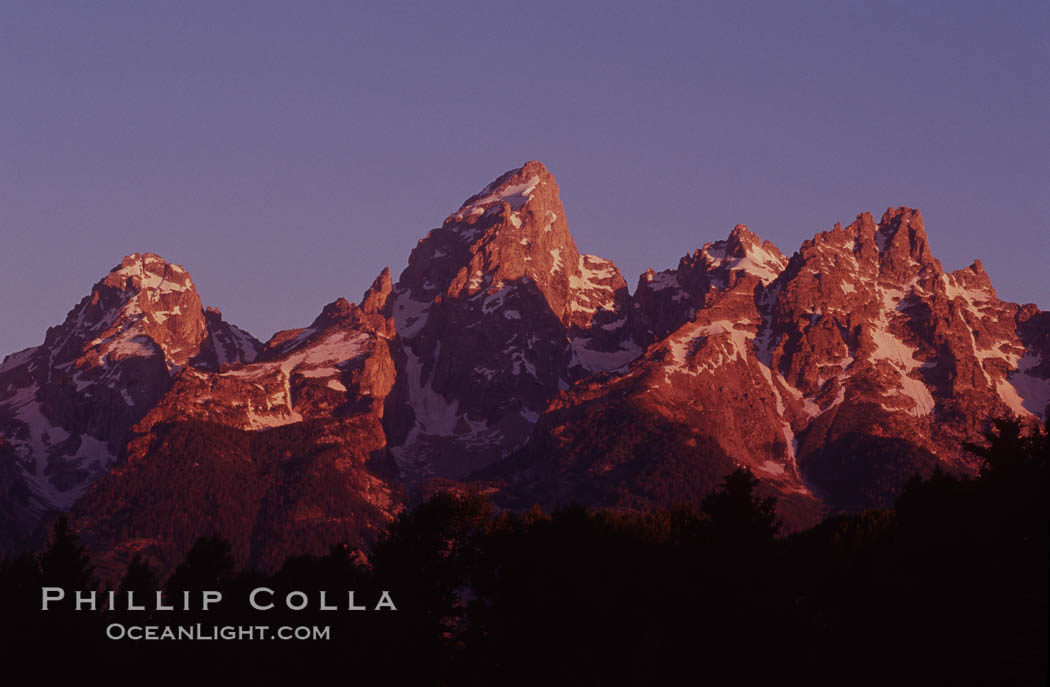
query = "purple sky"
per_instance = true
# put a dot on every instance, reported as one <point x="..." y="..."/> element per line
<point x="285" y="152"/>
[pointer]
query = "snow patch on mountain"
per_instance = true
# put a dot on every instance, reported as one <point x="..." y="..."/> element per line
<point x="18" y="359"/>
<point x="1023" y="392"/>
<point x="37" y="441"/>
<point x="596" y="360"/>
<point x="900" y="356"/>
<point x="757" y="261"/>
<point x="319" y="359"/>
<point x="591" y="290"/>
<point x="724" y="342"/>
<point x="515" y="195"/>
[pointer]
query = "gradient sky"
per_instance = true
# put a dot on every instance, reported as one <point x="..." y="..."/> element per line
<point x="285" y="152"/>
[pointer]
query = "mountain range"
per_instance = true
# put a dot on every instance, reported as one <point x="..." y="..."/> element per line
<point x="505" y="360"/>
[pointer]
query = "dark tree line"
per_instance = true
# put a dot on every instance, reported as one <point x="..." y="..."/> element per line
<point x="949" y="587"/>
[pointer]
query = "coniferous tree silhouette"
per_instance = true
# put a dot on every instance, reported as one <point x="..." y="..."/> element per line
<point x="949" y="587"/>
<point x="737" y="514"/>
<point x="425" y="557"/>
<point x="208" y="564"/>
<point x="19" y="600"/>
<point x="66" y="563"/>
<point x="1014" y="450"/>
<point x="139" y="578"/>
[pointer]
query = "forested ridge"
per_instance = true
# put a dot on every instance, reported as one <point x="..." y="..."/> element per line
<point x="947" y="587"/>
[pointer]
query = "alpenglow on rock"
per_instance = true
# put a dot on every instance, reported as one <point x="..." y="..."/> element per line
<point x="834" y="376"/>
<point x="505" y="359"/>
<point x="498" y="312"/>
<point x="66" y="405"/>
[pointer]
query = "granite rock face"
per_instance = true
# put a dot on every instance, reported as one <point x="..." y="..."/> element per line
<point x="503" y="357"/>
<point x="498" y="312"/>
<point x="66" y="406"/>
<point x="834" y="375"/>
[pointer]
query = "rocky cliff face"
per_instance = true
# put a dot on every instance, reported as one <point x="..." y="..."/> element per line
<point x="498" y="311"/>
<point x="503" y="356"/>
<point x="66" y="405"/>
<point x="834" y="376"/>
<point x="284" y="454"/>
<point x="341" y="365"/>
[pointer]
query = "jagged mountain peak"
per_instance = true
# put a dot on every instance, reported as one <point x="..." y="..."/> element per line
<point x="375" y="299"/>
<point x="143" y="306"/>
<point x="499" y="311"/>
<point x="740" y="240"/>
<point x="901" y="233"/>
<point x="339" y="314"/>
<point x="141" y="270"/>
<point x="499" y="333"/>
<point x="665" y="300"/>
<point x="512" y="231"/>
<point x="513" y="187"/>
<point x="226" y="344"/>
<point x="864" y="361"/>
<point x="378" y="304"/>
<point x="339" y="310"/>
<point x="893" y="252"/>
<point x="974" y="280"/>
<point x="513" y="235"/>
<point x="720" y="263"/>
<point x="508" y="193"/>
<point x="743" y="251"/>
<point x="66" y="405"/>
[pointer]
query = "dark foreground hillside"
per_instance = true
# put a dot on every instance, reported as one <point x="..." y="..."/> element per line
<point x="948" y="587"/>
